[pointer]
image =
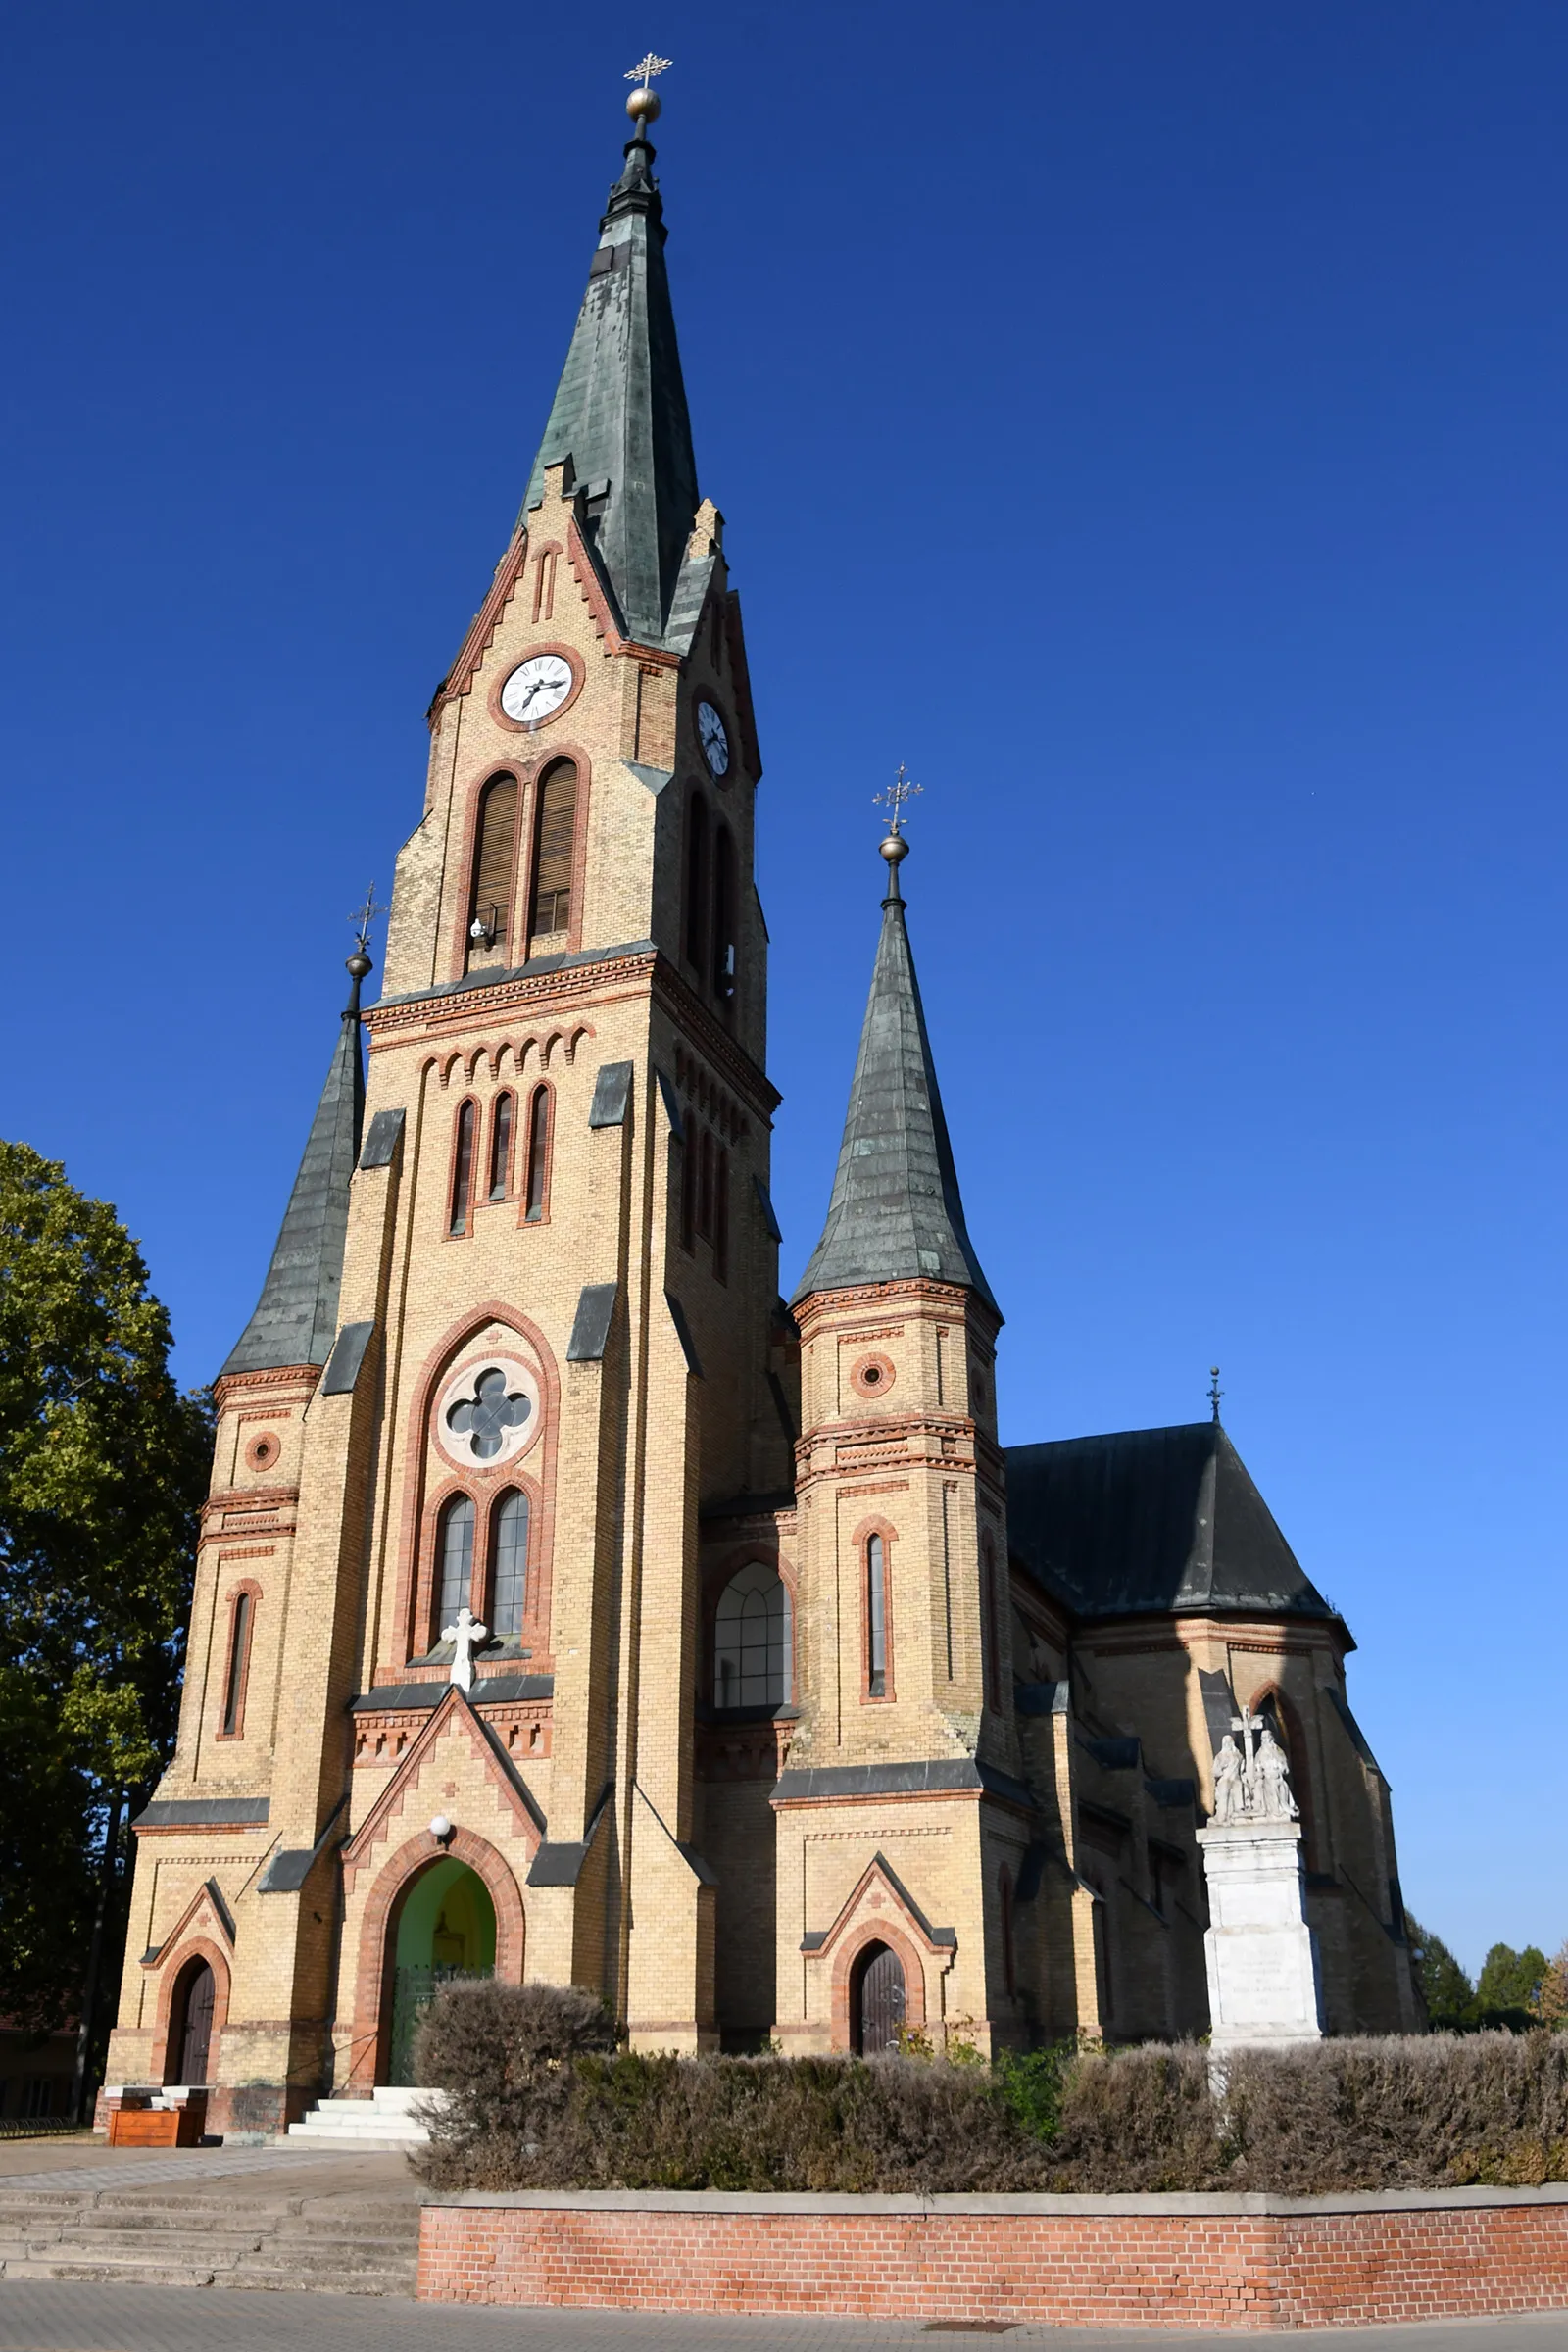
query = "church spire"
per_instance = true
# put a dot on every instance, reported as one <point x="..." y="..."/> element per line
<point x="896" y="1214"/>
<point x="296" y="1315"/>
<point x="619" y="413"/>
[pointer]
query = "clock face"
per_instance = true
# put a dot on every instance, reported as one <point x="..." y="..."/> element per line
<point x="536" y="688"/>
<point x="715" y="743"/>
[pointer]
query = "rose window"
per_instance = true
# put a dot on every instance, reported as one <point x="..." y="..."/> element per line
<point x="489" y="1413"/>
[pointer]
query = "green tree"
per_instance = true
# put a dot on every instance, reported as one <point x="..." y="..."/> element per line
<point x="1443" y="1984"/>
<point x="1510" y="1981"/>
<point x="102" y="1465"/>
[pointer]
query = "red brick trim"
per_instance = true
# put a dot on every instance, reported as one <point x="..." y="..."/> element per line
<point x="872" y="1375"/>
<point x="867" y="1931"/>
<point x="372" y="2020"/>
<point x="170" y="1972"/>
<point x="471" y="652"/>
<point x="264" y="1449"/>
<point x="1014" y="2264"/>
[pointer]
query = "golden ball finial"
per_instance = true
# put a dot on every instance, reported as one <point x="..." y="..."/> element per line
<point x="644" y="108"/>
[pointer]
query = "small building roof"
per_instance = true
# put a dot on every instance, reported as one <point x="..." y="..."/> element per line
<point x="1146" y="1520"/>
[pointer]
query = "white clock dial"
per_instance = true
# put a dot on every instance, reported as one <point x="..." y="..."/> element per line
<point x="715" y="742"/>
<point x="536" y="687"/>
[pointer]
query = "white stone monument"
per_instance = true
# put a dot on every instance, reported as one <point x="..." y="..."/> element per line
<point x="1264" y="1983"/>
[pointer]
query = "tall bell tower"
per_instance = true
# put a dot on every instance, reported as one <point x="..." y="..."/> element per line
<point x="520" y="1333"/>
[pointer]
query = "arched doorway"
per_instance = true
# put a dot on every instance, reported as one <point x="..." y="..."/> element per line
<point x="190" y="2025"/>
<point x="876" y="2000"/>
<point x="444" y="1928"/>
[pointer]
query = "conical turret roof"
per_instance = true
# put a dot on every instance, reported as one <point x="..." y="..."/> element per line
<point x="619" y="410"/>
<point x="297" y="1314"/>
<point x="895" y="1213"/>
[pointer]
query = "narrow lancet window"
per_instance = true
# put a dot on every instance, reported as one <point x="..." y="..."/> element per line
<point x="494" y="863"/>
<point x="239" y="1652"/>
<point x="538" y="1155"/>
<point x="454" y="1558"/>
<point x="462" y="1170"/>
<point x="876" y="1618"/>
<point x="501" y="1148"/>
<point x="554" y="851"/>
<point x="509" y="1573"/>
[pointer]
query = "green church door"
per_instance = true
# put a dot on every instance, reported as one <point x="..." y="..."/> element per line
<point x="446" y="1931"/>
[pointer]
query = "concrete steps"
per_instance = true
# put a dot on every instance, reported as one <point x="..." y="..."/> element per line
<point x="385" y="2121"/>
<point x="357" y="2245"/>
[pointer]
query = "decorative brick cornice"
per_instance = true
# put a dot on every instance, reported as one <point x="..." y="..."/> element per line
<point x="252" y="1500"/>
<point x="286" y="1376"/>
<point x="817" y="1307"/>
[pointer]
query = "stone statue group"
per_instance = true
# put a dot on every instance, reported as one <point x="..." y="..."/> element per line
<point x="1252" y="1781"/>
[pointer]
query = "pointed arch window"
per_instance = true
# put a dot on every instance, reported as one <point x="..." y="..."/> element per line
<point x="501" y="1147"/>
<point x="453" y="1560"/>
<point x="495" y="859"/>
<point x="876" y="1617"/>
<point x="509" y="1565"/>
<point x="536" y="1195"/>
<point x="462" y="1167"/>
<point x="723" y="936"/>
<point x="239" y="1664"/>
<point x="752" y="1640"/>
<point x="696" y="880"/>
<point x="554" y="851"/>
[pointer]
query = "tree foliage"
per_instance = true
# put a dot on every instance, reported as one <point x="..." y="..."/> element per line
<point x="1443" y="1984"/>
<point x="102" y="1469"/>
<point x="1510" y="1981"/>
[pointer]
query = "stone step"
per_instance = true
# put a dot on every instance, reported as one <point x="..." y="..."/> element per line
<point x="212" y="2247"/>
<point x="115" y="2274"/>
<point x="271" y="2277"/>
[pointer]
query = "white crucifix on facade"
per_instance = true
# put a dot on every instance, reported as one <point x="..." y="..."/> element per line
<point x="465" y="1637"/>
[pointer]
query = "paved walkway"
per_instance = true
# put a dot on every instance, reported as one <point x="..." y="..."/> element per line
<point x="57" y="2316"/>
<point x="91" y="2164"/>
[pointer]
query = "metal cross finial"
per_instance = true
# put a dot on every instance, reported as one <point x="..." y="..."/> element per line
<point x="648" y="68"/>
<point x="893" y="800"/>
<point x="364" y="916"/>
<point x="1215" y="1392"/>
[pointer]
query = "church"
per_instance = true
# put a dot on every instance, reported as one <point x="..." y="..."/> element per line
<point x="571" y="1606"/>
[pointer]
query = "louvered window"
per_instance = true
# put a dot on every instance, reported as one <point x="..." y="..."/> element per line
<point x="695" y="881"/>
<point x="462" y="1170"/>
<point x="554" y="851"/>
<point x="494" y="863"/>
<point x="723" y="940"/>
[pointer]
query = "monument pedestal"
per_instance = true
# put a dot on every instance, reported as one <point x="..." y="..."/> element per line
<point x="1265" y="1984"/>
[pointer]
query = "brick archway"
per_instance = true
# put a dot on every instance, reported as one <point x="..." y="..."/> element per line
<point x="372" y="2023"/>
<point x="876" y="1930"/>
<point x="192" y="1947"/>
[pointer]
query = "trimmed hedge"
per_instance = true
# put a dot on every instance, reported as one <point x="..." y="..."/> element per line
<point x="539" y="2096"/>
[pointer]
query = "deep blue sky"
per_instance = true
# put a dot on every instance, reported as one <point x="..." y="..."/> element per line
<point x="1147" y="422"/>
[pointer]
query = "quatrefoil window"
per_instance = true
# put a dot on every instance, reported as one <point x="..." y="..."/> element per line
<point x="489" y="1413"/>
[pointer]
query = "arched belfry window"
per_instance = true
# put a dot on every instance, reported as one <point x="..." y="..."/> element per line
<point x="501" y="1147"/>
<point x="495" y="859"/>
<point x="724" y="939"/>
<point x="554" y="851"/>
<point x="453" y="1560"/>
<point x="695" y="881"/>
<point x="752" y="1640"/>
<point x="509" y="1565"/>
<point x="876" y="1617"/>
<point x="239" y="1658"/>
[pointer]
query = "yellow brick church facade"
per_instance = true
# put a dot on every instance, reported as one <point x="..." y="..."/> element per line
<point x="788" y="1705"/>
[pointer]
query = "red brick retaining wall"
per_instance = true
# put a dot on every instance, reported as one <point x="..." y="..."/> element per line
<point x="1244" y="2262"/>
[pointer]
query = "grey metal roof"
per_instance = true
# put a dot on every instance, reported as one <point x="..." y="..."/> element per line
<point x="621" y="416"/>
<point x="895" y="1213"/>
<point x="1152" y="1519"/>
<point x="296" y="1315"/>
